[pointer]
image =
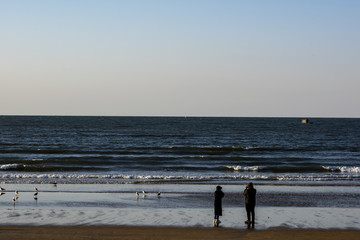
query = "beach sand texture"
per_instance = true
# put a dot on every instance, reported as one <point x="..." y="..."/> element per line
<point x="114" y="232"/>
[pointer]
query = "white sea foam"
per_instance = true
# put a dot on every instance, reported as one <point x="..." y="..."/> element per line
<point x="8" y="166"/>
<point x="240" y="173"/>
<point x="108" y="178"/>
<point x="343" y="169"/>
<point x="244" y="169"/>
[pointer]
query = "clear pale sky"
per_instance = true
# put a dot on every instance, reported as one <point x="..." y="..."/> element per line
<point x="278" y="58"/>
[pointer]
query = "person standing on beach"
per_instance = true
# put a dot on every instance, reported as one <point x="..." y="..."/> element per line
<point x="218" y="205"/>
<point x="250" y="201"/>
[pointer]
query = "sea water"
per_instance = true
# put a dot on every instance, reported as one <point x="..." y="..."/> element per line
<point x="87" y="170"/>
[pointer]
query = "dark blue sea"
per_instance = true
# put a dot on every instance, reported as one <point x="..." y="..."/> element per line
<point x="68" y="149"/>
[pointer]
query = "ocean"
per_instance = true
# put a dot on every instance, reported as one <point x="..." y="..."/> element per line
<point x="92" y="165"/>
<point x="181" y="149"/>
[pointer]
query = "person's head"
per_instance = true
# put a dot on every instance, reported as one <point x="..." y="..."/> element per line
<point x="218" y="188"/>
<point x="250" y="185"/>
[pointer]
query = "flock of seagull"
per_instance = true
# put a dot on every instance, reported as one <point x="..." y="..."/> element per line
<point x="16" y="197"/>
<point x="36" y="192"/>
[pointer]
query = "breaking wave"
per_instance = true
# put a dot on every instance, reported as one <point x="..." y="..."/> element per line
<point x="298" y="169"/>
<point x="343" y="169"/>
<point x="133" y="178"/>
<point x="9" y="166"/>
<point x="244" y="169"/>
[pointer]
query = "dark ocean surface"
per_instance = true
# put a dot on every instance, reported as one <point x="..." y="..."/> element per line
<point x="179" y="150"/>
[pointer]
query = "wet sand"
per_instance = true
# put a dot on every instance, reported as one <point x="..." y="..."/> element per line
<point x="122" y="232"/>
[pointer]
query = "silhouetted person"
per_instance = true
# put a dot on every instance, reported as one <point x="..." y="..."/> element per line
<point x="218" y="205"/>
<point x="250" y="202"/>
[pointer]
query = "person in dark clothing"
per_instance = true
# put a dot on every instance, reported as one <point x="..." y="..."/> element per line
<point x="218" y="205"/>
<point x="250" y="202"/>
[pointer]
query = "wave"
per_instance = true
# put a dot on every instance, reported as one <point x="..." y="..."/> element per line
<point x="205" y="149"/>
<point x="125" y="176"/>
<point x="244" y="169"/>
<point x="295" y="169"/>
<point x="9" y="166"/>
<point x="44" y="168"/>
<point x="343" y="169"/>
<point x="133" y="178"/>
<point x="40" y="165"/>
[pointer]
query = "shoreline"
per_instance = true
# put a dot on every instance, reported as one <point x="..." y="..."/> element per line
<point x="178" y="206"/>
<point x="278" y="183"/>
<point x="189" y="233"/>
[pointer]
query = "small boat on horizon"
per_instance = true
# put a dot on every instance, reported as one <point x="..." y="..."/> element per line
<point x="305" y="121"/>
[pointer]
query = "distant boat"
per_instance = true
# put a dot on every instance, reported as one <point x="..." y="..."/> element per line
<point x="305" y="121"/>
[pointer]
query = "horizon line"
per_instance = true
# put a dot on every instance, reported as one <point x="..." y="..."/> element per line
<point x="167" y="116"/>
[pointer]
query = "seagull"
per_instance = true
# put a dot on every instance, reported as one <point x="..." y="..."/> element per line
<point x="36" y="193"/>
<point x="16" y="196"/>
<point x="144" y="193"/>
<point x="2" y="189"/>
<point x="14" y="200"/>
<point x="137" y="194"/>
<point x="159" y="193"/>
<point x="35" y="189"/>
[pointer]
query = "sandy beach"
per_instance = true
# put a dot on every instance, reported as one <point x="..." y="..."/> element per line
<point x="115" y="232"/>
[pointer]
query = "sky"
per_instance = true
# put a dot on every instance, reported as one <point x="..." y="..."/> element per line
<point x="277" y="58"/>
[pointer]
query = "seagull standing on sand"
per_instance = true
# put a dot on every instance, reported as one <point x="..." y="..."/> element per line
<point x="14" y="200"/>
<point x="137" y="194"/>
<point x="2" y="189"/>
<point x="159" y="193"/>
<point x="144" y="194"/>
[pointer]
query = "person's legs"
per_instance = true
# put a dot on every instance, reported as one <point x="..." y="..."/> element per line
<point x="248" y="212"/>
<point x="253" y="215"/>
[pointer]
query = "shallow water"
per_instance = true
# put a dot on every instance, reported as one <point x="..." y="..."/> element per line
<point x="178" y="205"/>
